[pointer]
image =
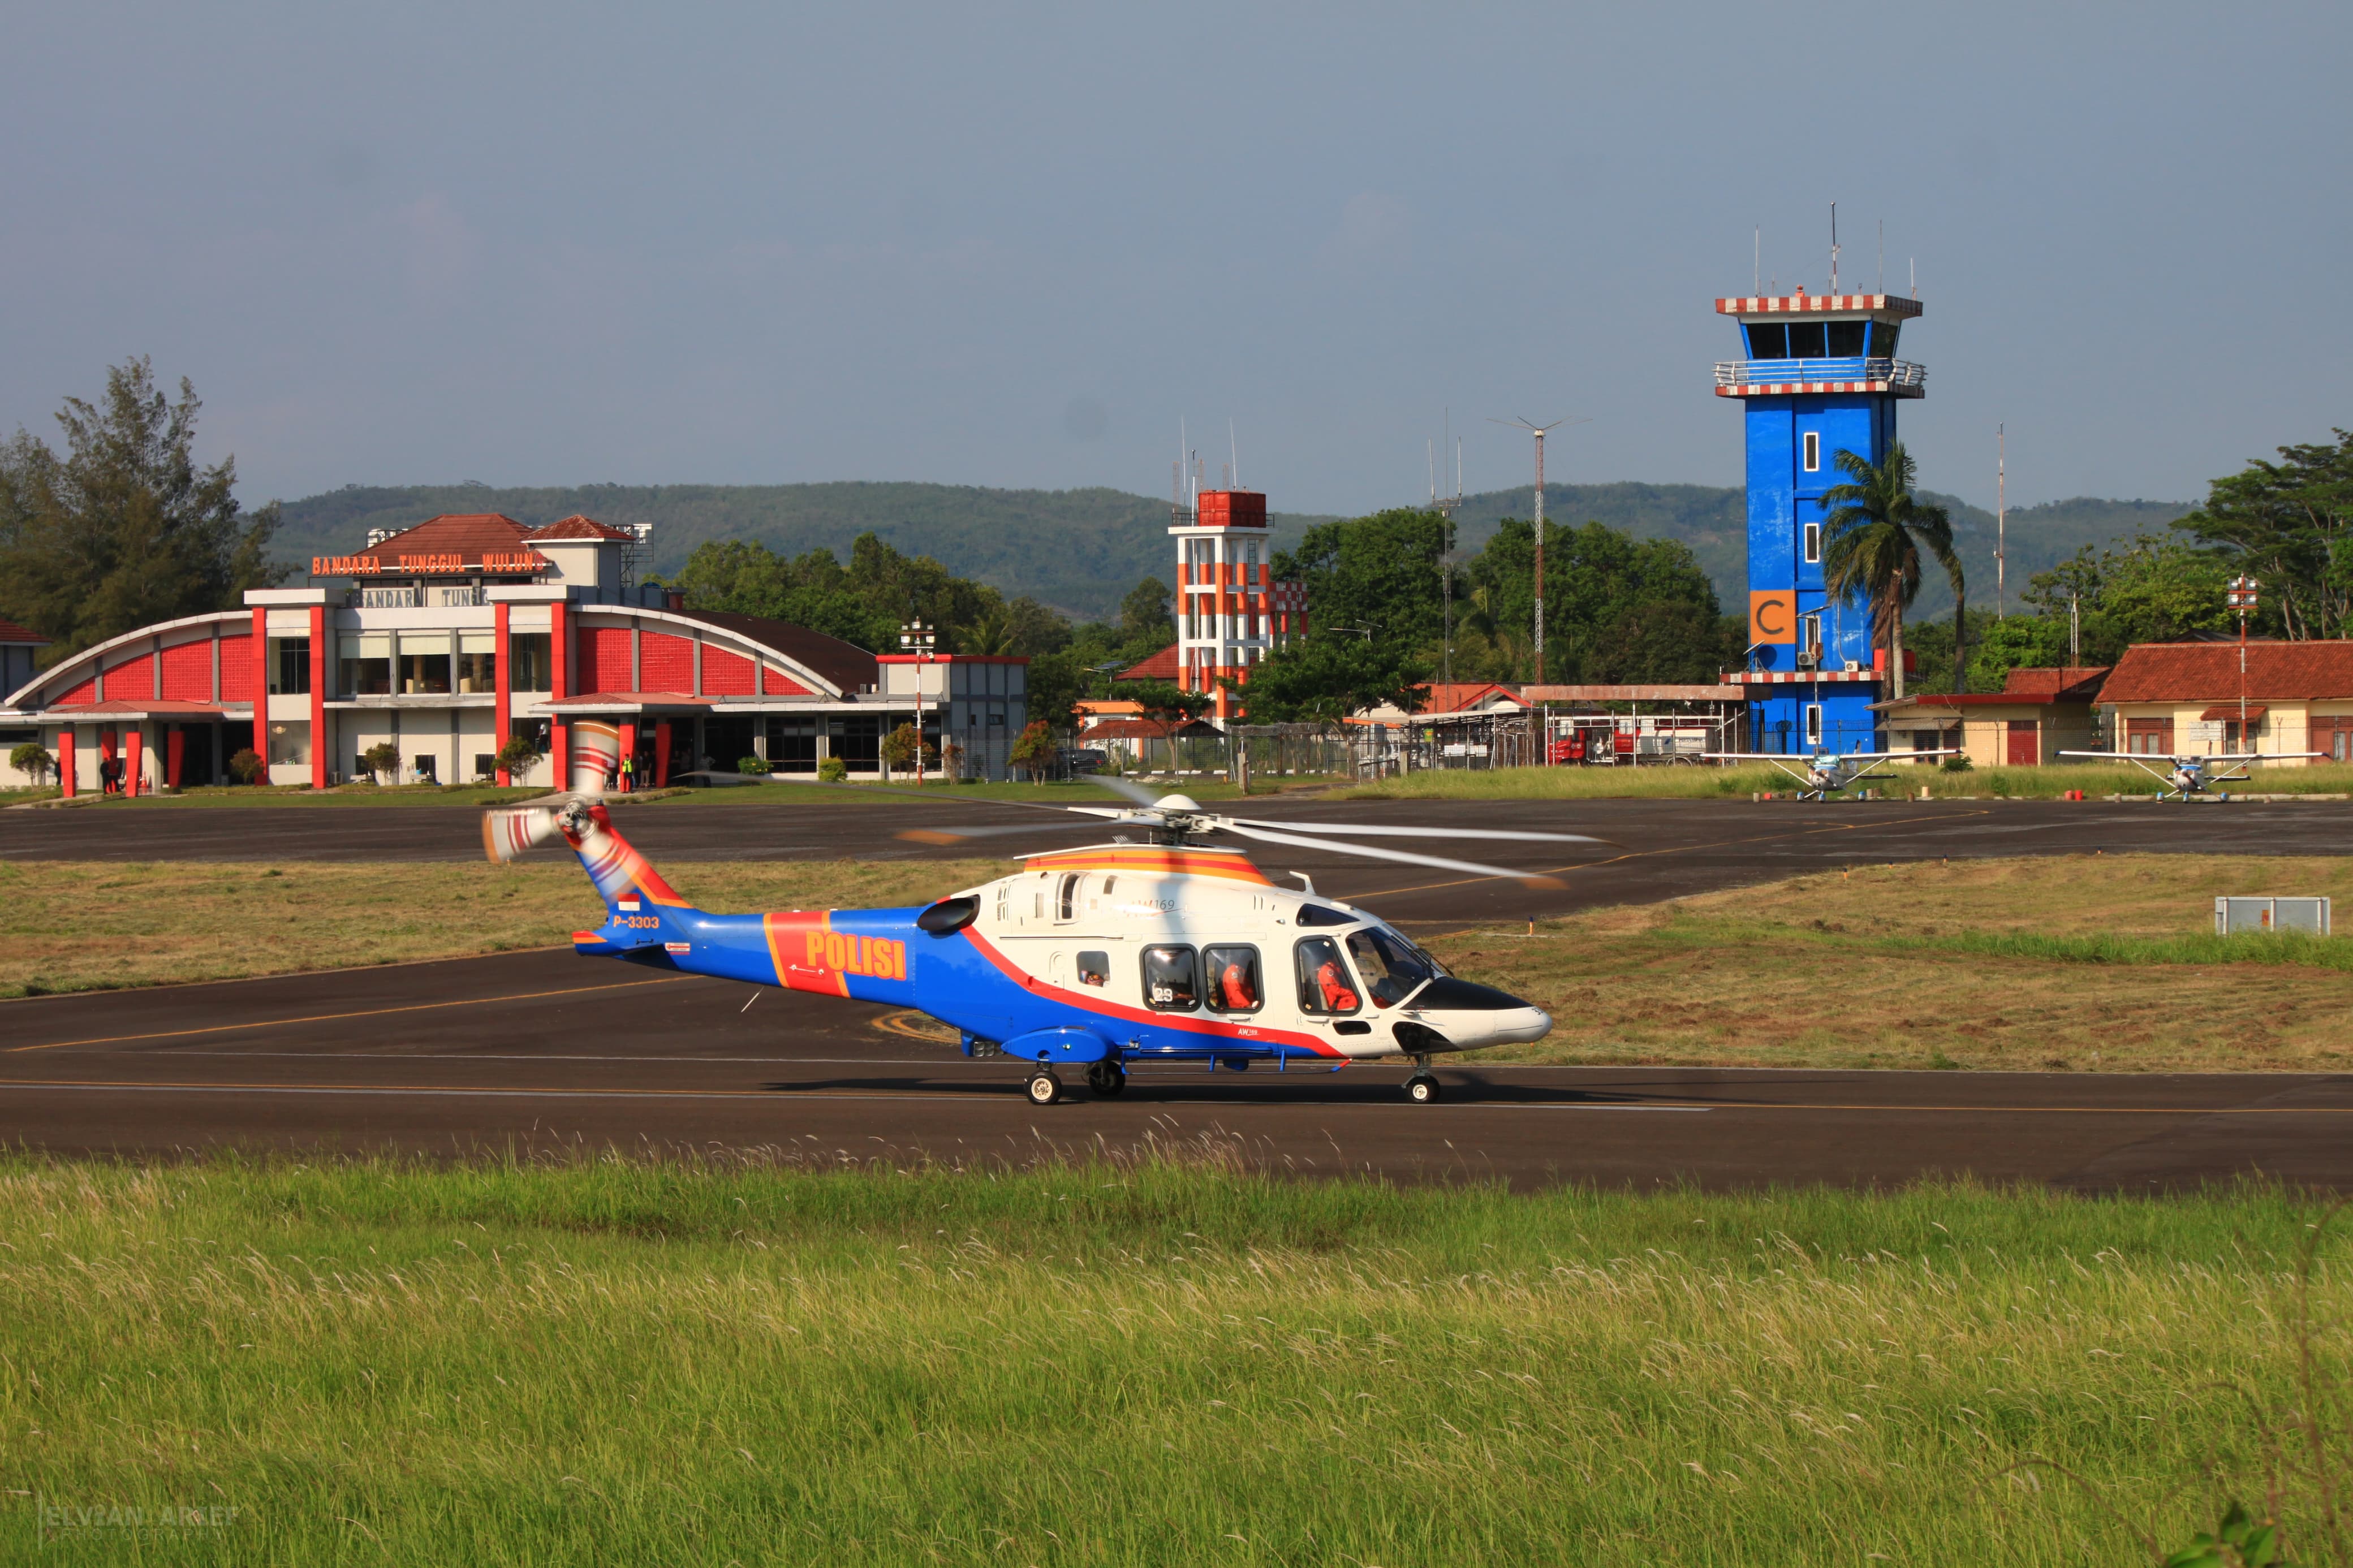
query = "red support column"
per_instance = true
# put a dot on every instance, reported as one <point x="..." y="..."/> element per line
<point x="66" y="762"/>
<point x="318" y="697"/>
<point x="175" y="751"/>
<point x="661" y="753"/>
<point x="131" y="759"/>
<point x="559" y="685"/>
<point x="262" y="689"/>
<point x="503" y="686"/>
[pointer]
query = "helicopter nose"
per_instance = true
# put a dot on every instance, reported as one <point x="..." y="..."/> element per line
<point x="1471" y="1016"/>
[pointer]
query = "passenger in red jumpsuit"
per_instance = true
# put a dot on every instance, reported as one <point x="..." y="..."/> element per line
<point x="1235" y="984"/>
<point x="1336" y="994"/>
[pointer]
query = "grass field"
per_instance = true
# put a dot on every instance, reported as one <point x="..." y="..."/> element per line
<point x="1135" y="1362"/>
<point x="2081" y="963"/>
<point x="1712" y="782"/>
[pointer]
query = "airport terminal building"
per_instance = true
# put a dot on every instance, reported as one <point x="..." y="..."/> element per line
<point x="447" y="638"/>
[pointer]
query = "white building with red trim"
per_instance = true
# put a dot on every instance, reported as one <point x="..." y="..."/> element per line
<point x="449" y="638"/>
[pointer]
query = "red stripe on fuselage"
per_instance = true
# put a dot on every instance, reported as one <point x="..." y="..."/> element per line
<point x="1102" y="1006"/>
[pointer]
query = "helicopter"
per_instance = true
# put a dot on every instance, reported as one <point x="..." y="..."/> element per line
<point x="1828" y="772"/>
<point x="1164" y="950"/>
<point x="2185" y="775"/>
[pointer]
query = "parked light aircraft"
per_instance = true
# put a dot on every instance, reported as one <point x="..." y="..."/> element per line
<point x="2186" y="775"/>
<point x="1164" y="950"/>
<point x="1827" y="772"/>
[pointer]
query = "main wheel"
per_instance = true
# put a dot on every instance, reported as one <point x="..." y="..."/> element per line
<point x="1421" y="1089"/>
<point x="1106" y="1078"/>
<point x="1045" y="1089"/>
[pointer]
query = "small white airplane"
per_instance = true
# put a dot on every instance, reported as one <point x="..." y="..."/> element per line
<point x="2184" y="776"/>
<point x="1827" y="772"/>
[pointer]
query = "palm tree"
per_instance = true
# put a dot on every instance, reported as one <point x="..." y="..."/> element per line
<point x="1872" y="543"/>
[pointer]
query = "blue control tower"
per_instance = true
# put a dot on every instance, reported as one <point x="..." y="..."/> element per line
<point x="1819" y="377"/>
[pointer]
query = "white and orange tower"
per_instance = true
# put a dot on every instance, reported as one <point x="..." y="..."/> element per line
<point x="1228" y="603"/>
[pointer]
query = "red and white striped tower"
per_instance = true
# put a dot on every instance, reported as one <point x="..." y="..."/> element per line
<point x="1223" y="582"/>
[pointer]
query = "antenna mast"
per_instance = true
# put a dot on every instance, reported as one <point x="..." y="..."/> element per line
<point x="2000" y="514"/>
<point x="1834" y="248"/>
<point x="1538" y="432"/>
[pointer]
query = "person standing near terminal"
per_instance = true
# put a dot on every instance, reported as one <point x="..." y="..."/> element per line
<point x="628" y="773"/>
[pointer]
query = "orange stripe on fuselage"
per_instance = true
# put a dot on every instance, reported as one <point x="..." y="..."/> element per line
<point x="1166" y="862"/>
<point x="796" y="946"/>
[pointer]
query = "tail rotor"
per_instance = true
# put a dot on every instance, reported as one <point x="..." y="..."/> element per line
<point x="507" y="834"/>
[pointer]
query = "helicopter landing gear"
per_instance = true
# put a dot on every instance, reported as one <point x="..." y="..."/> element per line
<point x="1045" y="1089"/>
<point x="1421" y="1089"/>
<point x="1106" y="1078"/>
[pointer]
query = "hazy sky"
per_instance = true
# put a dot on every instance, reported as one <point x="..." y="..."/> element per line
<point x="1014" y="246"/>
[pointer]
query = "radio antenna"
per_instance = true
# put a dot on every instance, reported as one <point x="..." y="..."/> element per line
<point x="1757" y="272"/>
<point x="1538" y="432"/>
<point x="1834" y="248"/>
<point x="1235" y="446"/>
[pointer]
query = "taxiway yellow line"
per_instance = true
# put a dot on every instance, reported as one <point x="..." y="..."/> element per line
<point x="336" y="1017"/>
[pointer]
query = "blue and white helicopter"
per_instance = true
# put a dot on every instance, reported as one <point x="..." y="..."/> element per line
<point x="1164" y="949"/>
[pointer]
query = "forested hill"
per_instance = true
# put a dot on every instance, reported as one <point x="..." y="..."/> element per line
<point x="1081" y="550"/>
<point x="1078" y="551"/>
<point x="1714" y="522"/>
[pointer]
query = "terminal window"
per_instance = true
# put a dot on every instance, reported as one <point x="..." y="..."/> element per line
<point x="1813" y="451"/>
<point x="289" y="672"/>
<point x="529" y="667"/>
<point x="364" y="665"/>
<point x="1813" y="543"/>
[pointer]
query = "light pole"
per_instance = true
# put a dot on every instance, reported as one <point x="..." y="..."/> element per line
<point x="918" y="639"/>
<point x="2242" y="599"/>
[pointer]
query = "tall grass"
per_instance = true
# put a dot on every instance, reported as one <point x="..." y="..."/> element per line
<point x="1120" y="1362"/>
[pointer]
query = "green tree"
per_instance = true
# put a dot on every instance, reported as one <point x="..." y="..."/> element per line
<point x="1617" y="609"/>
<point x="1144" y="614"/>
<point x="1379" y="572"/>
<point x="518" y="756"/>
<point x="1033" y="749"/>
<point x="1872" y="542"/>
<point x="1323" y="678"/>
<point x="2152" y="589"/>
<point x="2290" y="525"/>
<point x="901" y="746"/>
<point x="123" y="529"/>
<point x="383" y="757"/>
<point x="33" y="760"/>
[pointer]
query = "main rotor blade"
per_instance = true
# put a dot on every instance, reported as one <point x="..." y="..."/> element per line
<point x="957" y="835"/>
<point x="796" y="782"/>
<point x="1415" y="832"/>
<point x="1134" y="792"/>
<point x="1526" y="879"/>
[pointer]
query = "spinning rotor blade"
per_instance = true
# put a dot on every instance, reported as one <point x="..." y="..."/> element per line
<point x="1526" y="879"/>
<point x="1134" y="792"/>
<point x="507" y="833"/>
<point x="958" y="835"/>
<point x="1416" y="832"/>
<point x="796" y="782"/>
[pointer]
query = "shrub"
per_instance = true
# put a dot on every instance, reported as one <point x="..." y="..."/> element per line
<point x="518" y="756"/>
<point x="832" y="770"/>
<point x="756" y="766"/>
<point x="1957" y="765"/>
<point x="383" y="757"/>
<point x="32" y="758"/>
<point x="247" y="767"/>
<point x="1035" y="750"/>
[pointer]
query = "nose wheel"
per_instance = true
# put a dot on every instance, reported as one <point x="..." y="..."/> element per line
<point x="1045" y="1089"/>
<point x="1106" y="1078"/>
<point x="1421" y="1089"/>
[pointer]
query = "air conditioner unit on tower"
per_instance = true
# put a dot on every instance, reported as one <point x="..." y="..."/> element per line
<point x="1808" y="658"/>
<point x="1854" y="667"/>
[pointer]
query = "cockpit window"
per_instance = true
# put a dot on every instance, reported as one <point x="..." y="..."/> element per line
<point x="1317" y="915"/>
<point x="1392" y="966"/>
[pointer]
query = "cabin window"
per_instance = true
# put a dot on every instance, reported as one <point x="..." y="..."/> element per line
<point x="1807" y="340"/>
<point x="1171" y="980"/>
<point x="1233" y="979"/>
<point x="1094" y="968"/>
<point x="1326" y="986"/>
<point x="1109" y="883"/>
<point x="1813" y="451"/>
<point x="1768" y="340"/>
<point x="1846" y="338"/>
<point x="1066" y="900"/>
<point x="1813" y="543"/>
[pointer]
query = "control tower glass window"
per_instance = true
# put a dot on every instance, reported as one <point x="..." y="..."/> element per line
<point x="1883" y="338"/>
<point x="1768" y="340"/>
<point x="1846" y="338"/>
<point x="1807" y="341"/>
